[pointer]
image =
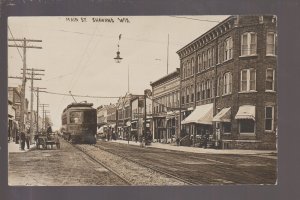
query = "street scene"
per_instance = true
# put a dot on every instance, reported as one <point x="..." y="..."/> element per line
<point x="142" y="100"/>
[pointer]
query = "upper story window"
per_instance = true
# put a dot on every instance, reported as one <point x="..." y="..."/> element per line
<point x="204" y="60"/>
<point x="219" y="53"/>
<point x="188" y="69"/>
<point x="209" y="58"/>
<point x="187" y="94"/>
<point x="269" y="118"/>
<point x="203" y="90"/>
<point x="270" y="43"/>
<point x="208" y="89"/>
<point x="198" y="91"/>
<point x="213" y="55"/>
<point x="199" y="62"/>
<point x="248" y="44"/>
<point x="192" y="93"/>
<point x="193" y="66"/>
<point x="219" y="86"/>
<point x="270" y="79"/>
<point x="248" y="80"/>
<point x="227" y="83"/>
<point x="228" y="49"/>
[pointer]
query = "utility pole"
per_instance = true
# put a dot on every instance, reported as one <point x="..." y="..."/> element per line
<point x="24" y="46"/>
<point x="45" y="115"/>
<point x="43" y="105"/>
<point x="38" y="90"/>
<point x="33" y="74"/>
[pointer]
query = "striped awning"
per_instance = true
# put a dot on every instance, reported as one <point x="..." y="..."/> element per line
<point x="201" y="115"/>
<point x="246" y="112"/>
<point x="223" y="115"/>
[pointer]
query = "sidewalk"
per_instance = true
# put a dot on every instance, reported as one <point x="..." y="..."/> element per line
<point x="199" y="150"/>
<point x="13" y="147"/>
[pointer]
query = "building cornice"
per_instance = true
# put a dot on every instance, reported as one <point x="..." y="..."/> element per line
<point x="207" y="37"/>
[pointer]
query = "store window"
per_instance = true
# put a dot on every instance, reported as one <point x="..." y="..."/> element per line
<point x="270" y="44"/>
<point x="247" y="126"/>
<point x="248" y="44"/>
<point x="228" y="49"/>
<point x="227" y="83"/>
<point x="269" y="118"/>
<point x="248" y="80"/>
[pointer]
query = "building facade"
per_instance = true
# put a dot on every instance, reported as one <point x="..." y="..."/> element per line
<point x="165" y="107"/>
<point x="138" y="116"/>
<point x="228" y="78"/>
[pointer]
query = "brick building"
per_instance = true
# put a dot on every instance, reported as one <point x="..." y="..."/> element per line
<point x="165" y="92"/>
<point x="228" y="83"/>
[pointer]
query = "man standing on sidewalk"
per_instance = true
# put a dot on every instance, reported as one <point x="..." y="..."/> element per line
<point x="27" y="137"/>
<point x="22" y="137"/>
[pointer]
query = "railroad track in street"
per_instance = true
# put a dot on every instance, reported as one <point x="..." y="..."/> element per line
<point x="156" y="169"/>
<point x="84" y="150"/>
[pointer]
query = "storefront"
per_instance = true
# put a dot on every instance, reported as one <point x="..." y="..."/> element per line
<point x="199" y="123"/>
<point x="246" y="121"/>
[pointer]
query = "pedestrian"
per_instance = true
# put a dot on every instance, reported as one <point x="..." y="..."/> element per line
<point x="27" y="138"/>
<point x="177" y="141"/>
<point x="22" y="138"/>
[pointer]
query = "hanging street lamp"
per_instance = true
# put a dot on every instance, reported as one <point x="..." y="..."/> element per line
<point x="118" y="57"/>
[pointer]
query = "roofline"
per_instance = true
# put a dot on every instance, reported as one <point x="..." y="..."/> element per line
<point x="198" y="38"/>
<point x="165" y="77"/>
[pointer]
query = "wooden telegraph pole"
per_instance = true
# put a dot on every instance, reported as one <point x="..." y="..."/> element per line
<point x="38" y="90"/>
<point x="24" y="46"/>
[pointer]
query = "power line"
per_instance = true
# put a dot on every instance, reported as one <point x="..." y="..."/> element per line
<point x="14" y="41"/>
<point x="190" y="18"/>
<point x="88" y="96"/>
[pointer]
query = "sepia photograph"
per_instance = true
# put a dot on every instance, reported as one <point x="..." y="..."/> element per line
<point x="166" y="100"/>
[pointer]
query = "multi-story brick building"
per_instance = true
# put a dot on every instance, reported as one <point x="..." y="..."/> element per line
<point x="165" y="94"/>
<point x="228" y="82"/>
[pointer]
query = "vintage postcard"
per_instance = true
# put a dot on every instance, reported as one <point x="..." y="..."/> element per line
<point x="142" y="100"/>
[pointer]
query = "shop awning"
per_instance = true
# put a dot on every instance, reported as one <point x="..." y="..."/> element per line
<point x="246" y="112"/>
<point x="223" y="115"/>
<point x="201" y="115"/>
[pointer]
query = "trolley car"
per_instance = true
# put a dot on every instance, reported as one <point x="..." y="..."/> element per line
<point x="79" y="123"/>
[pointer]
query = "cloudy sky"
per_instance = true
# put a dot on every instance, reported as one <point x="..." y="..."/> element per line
<point x="78" y="56"/>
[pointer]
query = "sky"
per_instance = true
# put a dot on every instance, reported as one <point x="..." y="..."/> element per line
<point x="77" y="55"/>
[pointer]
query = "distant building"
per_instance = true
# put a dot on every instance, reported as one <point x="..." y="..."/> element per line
<point x="138" y="116"/>
<point x="229" y="85"/>
<point x="165" y="107"/>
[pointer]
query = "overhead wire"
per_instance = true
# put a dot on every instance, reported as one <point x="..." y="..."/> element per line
<point x="14" y="41"/>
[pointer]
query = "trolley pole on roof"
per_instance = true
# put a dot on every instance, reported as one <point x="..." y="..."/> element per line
<point x="72" y="96"/>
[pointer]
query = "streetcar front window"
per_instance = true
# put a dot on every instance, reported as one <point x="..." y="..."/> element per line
<point x="76" y="117"/>
<point x="89" y="117"/>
